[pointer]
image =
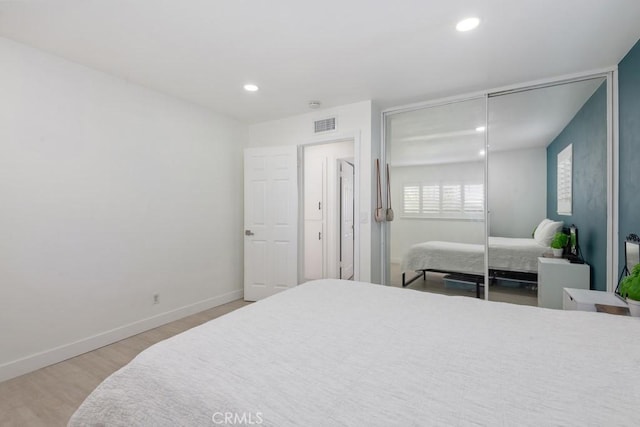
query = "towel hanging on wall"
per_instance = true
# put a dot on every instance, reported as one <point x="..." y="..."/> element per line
<point x="378" y="216"/>
<point x="389" y="215"/>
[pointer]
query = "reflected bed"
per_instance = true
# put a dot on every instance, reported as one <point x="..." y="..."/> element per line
<point x="341" y="353"/>
<point x="508" y="257"/>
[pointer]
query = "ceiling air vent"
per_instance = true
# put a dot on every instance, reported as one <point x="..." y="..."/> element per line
<point x="324" y="125"/>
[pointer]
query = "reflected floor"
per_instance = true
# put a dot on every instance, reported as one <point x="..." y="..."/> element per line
<point x="435" y="284"/>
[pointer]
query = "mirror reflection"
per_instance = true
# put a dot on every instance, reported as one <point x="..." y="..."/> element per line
<point x="632" y="251"/>
<point x="547" y="173"/>
<point x="437" y="163"/>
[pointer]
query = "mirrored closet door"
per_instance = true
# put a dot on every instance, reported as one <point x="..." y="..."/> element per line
<point x="547" y="171"/>
<point x="436" y="157"/>
<point x="518" y="172"/>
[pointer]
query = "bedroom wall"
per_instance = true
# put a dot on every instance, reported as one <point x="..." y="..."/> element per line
<point x="353" y="119"/>
<point x="629" y="125"/>
<point x="111" y="193"/>
<point x="588" y="133"/>
<point x="407" y="231"/>
<point x="517" y="191"/>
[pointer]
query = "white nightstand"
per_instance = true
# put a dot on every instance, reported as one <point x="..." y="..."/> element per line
<point x="554" y="274"/>
<point x="585" y="300"/>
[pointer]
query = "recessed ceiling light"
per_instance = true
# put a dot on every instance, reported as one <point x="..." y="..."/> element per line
<point x="480" y="129"/>
<point x="314" y="104"/>
<point x="250" y="87"/>
<point x="468" y="24"/>
<point x="482" y="152"/>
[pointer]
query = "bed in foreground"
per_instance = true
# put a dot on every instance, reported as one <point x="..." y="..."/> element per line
<point x="333" y="352"/>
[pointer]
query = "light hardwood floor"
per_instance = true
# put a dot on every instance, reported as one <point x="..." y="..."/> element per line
<point x="49" y="396"/>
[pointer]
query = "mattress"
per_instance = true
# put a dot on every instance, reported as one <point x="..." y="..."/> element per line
<point x="338" y="353"/>
<point x="511" y="254"/>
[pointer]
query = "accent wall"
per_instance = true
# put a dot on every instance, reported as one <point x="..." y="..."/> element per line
<point x="629" y="125"/>
<point x="587" y="131"/>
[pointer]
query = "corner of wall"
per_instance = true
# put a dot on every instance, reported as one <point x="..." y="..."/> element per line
<point x="376" y="228"/>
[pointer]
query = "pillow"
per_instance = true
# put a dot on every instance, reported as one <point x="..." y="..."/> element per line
<point x="545" y="232"/>
<point x="540" y="227"/>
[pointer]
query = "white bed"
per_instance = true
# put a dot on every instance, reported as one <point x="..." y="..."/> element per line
<point x="337" y="353"/>
<point x="506" y="254"/>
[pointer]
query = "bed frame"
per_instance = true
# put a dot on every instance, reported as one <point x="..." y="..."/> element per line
<point x="475" y="278"/>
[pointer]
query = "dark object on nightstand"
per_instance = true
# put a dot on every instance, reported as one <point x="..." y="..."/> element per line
<point x="575" y="254"/>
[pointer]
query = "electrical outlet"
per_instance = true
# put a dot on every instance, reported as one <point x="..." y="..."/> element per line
<point x="156" y="298"/>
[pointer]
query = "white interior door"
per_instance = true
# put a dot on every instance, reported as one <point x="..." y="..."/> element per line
<point x="270" y="220"/>
<point x="346" y="220"/>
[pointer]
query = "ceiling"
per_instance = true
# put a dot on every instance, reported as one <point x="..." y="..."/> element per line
<point x="333" y="51"/>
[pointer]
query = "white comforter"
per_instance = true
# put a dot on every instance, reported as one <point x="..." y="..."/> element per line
<point x="336" y="353"/>
<point x="505" y="253"/>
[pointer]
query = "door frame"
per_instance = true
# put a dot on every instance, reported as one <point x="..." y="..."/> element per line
<point x="613" y="238"/>
<point x="353" y="136"/>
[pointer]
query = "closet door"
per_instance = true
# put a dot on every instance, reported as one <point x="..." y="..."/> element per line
<point x="547" y="160"/>
<point x="436" y="157"/>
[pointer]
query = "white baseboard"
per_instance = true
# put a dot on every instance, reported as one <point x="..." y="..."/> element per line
<point x="58" y="354"/>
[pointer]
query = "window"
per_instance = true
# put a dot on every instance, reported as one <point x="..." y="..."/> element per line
<point x="473" y="198"/>
<point x="564" y="184"/>
<point x="430" y="199"/>
<point x="451" y="198"/>
<point x="411" y="202"/>
<point x="464" y="201"/>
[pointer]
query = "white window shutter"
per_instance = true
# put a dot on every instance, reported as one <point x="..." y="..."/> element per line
<point x="451" y="198"/>
<point x="564" y="184"/>
<point x="473" y="198"/>
<point x="431" y="199"/>
<point x="411" y="199"/>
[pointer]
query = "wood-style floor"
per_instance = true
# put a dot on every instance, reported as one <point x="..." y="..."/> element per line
<point x="49" y="396"/>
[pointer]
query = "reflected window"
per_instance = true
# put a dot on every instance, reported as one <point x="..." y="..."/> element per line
<point x="462" y="201"/>
<point x="451" y="198"/>
<point x="474" y="198"/>
<point x="431" y="199"/>
<point x="411" y="200"/>
<point x="565" y="161"/>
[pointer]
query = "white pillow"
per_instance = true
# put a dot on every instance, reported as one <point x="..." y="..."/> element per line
<point x="542" y="224"/>
<point x="538" y="230"/>
<point x="546" y="230"/>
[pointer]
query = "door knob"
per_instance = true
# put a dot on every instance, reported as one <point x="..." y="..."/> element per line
<point x="248" y="233"/>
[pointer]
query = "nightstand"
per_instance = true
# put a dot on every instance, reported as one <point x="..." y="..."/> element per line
<point x="555" y="274"/>
<point x="586" y="300"/>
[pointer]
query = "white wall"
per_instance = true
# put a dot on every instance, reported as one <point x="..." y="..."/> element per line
<point x="376" y="229"/>
<point x="517" y="191"/>
<point x="323" y="253"/>
<point x="110" y="193"/>
<point x="407" y="231"/>
<point x="353" y="119"/>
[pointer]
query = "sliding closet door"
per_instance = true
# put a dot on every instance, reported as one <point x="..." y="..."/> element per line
<point x="436" y="158"/>
<point x="547" y="159"/>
